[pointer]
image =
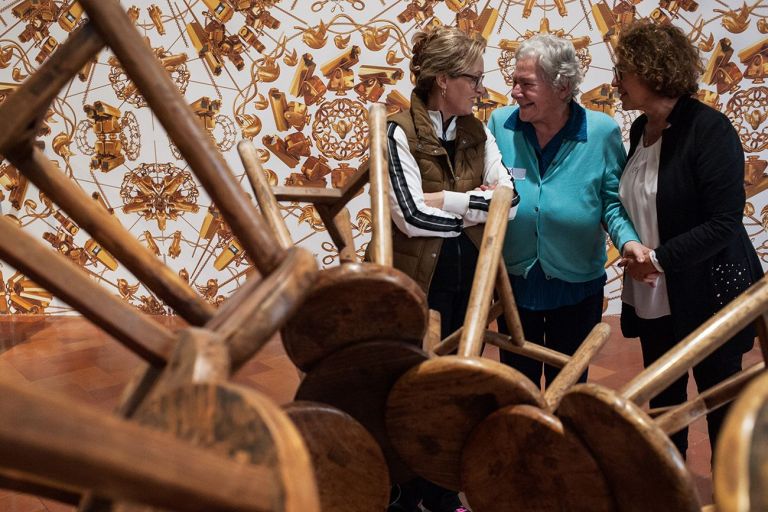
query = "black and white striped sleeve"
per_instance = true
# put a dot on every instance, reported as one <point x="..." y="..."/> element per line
<point x="495" y="174"/>
<point x="410" y="212"/>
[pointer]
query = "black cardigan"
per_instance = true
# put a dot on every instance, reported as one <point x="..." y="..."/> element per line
<point x="700" y="203"/>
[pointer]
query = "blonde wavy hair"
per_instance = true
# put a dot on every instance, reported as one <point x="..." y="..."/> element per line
<point x="661" y="56"/>
<point x="443" y="50"/>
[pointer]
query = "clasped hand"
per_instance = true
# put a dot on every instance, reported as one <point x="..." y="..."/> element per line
<point x="636" y="261"/>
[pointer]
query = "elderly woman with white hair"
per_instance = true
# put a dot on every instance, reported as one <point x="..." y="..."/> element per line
<point x="566" y="162"/>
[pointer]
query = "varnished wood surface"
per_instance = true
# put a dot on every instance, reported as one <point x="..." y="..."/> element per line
<point x="348" y="464"/>
<point x="113" y="236"/>
<point x="68" y="282"/>
<point x="70" y="356"/>
<point x="715" y="397"/>
<point x="339" y="227"/>
<point x="69" y="442"/>
<point x="741" y="470"/>
<point x="24" y="110"/>
<point x="522" y="458"/>
<point x="433" y="407"/>
<point x="355" y="302"/>
<point x="643" y="468"/>
<point x="357" y="379"/>
<point x="700" y="343"/>
<point x="240" y="424"/>
<point x="262" y="190"/>
<point x="470" y="344"/>
<point x="381" y="237"/>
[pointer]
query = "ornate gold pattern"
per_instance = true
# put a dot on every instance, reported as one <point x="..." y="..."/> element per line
<point x="297" y="77"/>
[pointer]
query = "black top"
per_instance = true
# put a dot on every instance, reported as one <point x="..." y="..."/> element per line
<point x="704" y="248"/>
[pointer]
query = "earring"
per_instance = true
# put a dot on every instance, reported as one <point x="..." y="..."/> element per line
<point x="442" y="92"/>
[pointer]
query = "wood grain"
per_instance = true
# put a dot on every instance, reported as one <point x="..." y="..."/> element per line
<point x="357" y="379"/>
<point x="348" y="464"/>
<point x="352" y="303"/>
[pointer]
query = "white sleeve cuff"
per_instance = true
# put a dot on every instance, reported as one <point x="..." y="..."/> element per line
<point x="655" y="261"/>
<point x="455" y="202"/>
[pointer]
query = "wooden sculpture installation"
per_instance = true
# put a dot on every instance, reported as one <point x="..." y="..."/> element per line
<point x="108" y="20"/>
<point x="434" y="406"/>
<point x="741" y="466"/>
<point x="393" y="304"/>
<point x="626" y="442"/>
<point x="356" y="376"/>
<point x="190" y="398"/>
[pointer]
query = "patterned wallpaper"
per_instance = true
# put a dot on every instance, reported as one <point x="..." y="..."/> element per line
<point x="297" y="76"/>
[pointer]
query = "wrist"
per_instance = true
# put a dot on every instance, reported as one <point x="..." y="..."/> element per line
<point x="655" y="261"/>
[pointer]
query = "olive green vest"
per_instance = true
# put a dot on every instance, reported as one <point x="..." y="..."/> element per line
<point x="417" y="256"/>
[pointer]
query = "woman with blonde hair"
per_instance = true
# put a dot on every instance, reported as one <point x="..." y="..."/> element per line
<point x="443" y="167"/>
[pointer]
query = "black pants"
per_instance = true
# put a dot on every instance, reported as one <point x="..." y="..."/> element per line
<point x="449" y="295"/>
<point x="562" y="329"/>
<point x="656" y="338"/>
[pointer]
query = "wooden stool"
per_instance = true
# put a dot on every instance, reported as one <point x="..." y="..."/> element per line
<point x="354" y="376"/>
<point x="434" y="406"/>
<point x="626" y="442"/>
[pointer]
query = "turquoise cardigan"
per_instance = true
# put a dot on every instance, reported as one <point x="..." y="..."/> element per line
<point x="560" y="219"/>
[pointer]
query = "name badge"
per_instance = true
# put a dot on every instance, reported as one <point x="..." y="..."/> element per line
<point x="517" y="173"/>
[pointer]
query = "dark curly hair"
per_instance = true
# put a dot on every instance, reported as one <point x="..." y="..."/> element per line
<point x="443" y="49"/>
<point x="662" y="56"/>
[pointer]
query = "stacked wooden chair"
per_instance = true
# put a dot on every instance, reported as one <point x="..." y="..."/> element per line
<point x="740" y="474"/>
<point x="184" y="387"/>
<point x="374" y="407"/>
<point x="363" y="324"/>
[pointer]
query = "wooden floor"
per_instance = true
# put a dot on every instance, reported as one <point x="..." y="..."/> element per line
<point x="69" y="356"/>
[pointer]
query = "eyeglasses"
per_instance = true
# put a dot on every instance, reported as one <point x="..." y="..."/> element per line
<point x="476" y="80"/>
<point x="618" y="75"/>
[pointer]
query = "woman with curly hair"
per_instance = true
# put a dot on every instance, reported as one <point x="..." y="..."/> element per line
<point x="443" y="167"/>
<point x="683" y="189"/>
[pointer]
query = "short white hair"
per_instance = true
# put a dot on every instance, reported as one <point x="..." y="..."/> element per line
<point x="556" y="58"/>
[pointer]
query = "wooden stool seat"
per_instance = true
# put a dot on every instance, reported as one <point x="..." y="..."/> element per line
<point x="349" y="466"/>
<point x="351" y="303"/>
<point x="507" y="465"/>
<point x="357" y="379"/>
<point x="240" y="424"/>
<point x="524" y="458"/>
<point x="433" y="407"/>
<point x="617" y="431"/>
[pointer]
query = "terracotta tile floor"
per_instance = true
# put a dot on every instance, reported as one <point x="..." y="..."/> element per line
<point x="68" y="355"/>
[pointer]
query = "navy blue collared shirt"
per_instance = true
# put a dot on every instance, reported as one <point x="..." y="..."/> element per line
<point x="537" y="291"/>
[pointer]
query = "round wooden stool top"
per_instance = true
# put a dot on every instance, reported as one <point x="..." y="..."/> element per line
<point x="522" y="458"/>
<point x="241" y="424"/>
<point x="355" y="302"/>
<point x="643" y="468"/>
<point x="740" y="471"/>
<point x="433" y="408"/>
<point x="357" y="379"/>
<point x="349" y="467"/>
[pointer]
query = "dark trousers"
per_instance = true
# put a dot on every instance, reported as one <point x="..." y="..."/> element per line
<point x="448" y="295"/>
<point x="656" y="338"/>
<point x="562" y="329"/>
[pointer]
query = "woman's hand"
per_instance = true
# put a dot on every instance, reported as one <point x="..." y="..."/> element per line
<point x="637" y="263"/>
<point x="434" y="199"/>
